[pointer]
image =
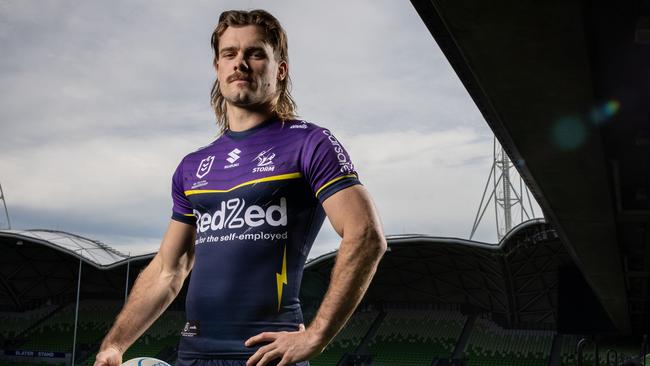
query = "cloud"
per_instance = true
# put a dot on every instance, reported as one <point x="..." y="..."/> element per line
<point x="378" y="68"/>
<point x="102" y="186"/>
<point x="423" y="182"/>
<point x="99" y="101"/>
<point x="93" y="67"/>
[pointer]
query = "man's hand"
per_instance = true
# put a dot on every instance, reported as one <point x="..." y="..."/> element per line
<point x="110" y="356"/>
<point x="289" y="347"/>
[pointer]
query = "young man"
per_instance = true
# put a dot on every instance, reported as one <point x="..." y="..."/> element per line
<point x="246" y="211"/>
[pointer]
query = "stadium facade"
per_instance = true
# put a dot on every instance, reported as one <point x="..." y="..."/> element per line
<point x="434" y="299"/>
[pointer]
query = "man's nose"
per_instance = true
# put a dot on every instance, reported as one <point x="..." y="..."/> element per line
<point x="241" y="64"/>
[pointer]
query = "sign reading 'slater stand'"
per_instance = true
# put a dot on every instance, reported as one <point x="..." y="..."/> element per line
<point x="34" y="354"/>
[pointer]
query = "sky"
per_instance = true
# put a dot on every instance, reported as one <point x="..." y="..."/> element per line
<point x="99" y="102"/>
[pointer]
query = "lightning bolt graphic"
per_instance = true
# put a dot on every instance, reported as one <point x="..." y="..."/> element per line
<point x="281" y="277"/>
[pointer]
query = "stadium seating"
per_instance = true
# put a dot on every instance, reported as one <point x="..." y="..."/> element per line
<point x="55" y="333"/>
<point x="491" y="345"/>
<point x="348" y="339"/>
<point x="568" y="352"/>
<point x="416" y="336"/>
<point x="164" y="333"/>
<point x="12" y="323"/>
<point x="405" y="337"/>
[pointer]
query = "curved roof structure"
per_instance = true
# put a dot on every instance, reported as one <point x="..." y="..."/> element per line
<point x="41" y="265"/>
<point x="91" y="251"/>
<point x="516" y="279"/>
<point x="405" y="238"/>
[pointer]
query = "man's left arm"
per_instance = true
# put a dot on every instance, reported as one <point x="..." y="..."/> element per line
<point x="354" y="217"/>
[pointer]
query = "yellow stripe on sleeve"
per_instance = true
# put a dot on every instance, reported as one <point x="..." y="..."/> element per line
<point x="334" y="181"/>
<point x="250" y="182"/>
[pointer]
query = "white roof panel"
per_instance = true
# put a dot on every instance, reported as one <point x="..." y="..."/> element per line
<point x="92" y="251"/>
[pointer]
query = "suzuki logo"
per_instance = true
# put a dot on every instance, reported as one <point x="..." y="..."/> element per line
<point x="233" y="155"/>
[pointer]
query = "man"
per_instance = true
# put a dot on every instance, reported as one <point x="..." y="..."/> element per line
<point x="246" y="211"/>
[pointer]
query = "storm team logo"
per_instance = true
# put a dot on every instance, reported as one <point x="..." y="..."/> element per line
<point x="205" y="166"/>
<point x="264" y="161"/>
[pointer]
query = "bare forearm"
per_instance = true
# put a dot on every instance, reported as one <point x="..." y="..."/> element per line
<point x="356" y="264"/>
<point x="152" y="293"/>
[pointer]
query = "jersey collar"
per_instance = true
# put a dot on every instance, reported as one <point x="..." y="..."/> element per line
<point x="240" y="135"/>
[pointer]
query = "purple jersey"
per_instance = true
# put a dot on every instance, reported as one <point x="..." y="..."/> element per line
<point x="255" y="198"/>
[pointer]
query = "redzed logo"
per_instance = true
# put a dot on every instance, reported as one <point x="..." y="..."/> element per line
<point x="233" y="214"/>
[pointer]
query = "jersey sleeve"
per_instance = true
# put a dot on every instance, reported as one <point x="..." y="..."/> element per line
<point x="327" y="165"/>
<point x="182" y="209"/>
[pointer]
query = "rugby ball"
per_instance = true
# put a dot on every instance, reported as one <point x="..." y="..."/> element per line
<point x="145" y="361"/>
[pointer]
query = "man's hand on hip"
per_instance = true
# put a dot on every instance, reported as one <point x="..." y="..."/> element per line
<point x="289" y="347"/>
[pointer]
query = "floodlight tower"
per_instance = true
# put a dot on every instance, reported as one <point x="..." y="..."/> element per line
<point x="4" y="203"/>
<point x="508" y="198"/>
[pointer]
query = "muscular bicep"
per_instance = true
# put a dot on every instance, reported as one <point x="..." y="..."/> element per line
<point x="352" y="212"/>
<point x="177" y="248"/>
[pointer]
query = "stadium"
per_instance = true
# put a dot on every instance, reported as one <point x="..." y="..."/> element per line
<point x="570" y="289"/>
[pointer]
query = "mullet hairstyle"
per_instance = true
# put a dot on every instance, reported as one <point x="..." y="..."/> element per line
<point x="284" y="106"/>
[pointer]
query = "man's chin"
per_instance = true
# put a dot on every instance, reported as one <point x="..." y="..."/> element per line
<point x="248" y="103"/>
<point x="241" y="100"/>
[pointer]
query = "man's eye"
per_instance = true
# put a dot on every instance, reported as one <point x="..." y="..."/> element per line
<point x="258" y="55"/>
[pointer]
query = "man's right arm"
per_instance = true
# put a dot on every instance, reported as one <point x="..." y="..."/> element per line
<point x="156" y="287"/>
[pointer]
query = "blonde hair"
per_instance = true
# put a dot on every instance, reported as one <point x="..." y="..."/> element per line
<point x="284" y="107"/>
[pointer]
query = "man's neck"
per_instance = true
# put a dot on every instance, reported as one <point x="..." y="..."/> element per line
<point x="240" y="119"/>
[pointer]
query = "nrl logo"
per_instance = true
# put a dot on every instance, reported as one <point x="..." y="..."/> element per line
<point x="205" y="166"/>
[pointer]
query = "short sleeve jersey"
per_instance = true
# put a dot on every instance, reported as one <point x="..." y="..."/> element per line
<point x="255" y="199"/>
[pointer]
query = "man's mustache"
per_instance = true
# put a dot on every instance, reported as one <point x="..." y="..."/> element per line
<point x="238" y="76"/>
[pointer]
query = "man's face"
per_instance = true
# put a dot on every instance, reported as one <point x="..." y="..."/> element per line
<point x="247" y="70"/>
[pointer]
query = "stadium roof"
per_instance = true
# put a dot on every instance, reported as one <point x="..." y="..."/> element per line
<point x="565" y="87"/>
<point x="40" y="265"/>
<point x="516" y="279"/>
<point x="91" y="251"/>
<point x="440" y="240"/>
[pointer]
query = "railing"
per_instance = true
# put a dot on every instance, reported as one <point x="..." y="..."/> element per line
<point x="580" y="346"/>
<point x="612" y="357"/>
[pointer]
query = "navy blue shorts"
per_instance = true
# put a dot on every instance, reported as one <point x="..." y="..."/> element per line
<point x="242" y="362"/>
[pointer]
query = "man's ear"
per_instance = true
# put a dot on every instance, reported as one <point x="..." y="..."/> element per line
<point x="215" y="64"/>
<point x="283" y="70"/>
